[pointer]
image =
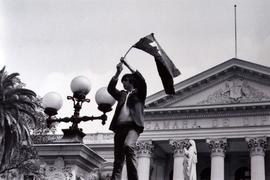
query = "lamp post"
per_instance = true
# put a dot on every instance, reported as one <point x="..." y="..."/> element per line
<point x="80" y="86"/>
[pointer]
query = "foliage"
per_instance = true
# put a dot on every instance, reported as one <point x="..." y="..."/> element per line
<point x="20" y="114"/>
<point x="23" y="160"/>
<point x="40" y="133"/>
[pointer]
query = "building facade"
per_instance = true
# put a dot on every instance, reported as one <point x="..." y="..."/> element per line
<point x="225" y="109"/>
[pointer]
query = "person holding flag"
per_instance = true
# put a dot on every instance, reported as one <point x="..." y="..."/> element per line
<point x="128" y="119"/>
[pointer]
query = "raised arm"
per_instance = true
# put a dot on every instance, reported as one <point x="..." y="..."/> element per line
<point x="119" y="69"/>
<point x="112" y="84"/>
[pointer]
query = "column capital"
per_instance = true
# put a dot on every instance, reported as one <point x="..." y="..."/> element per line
<point x="217" y="146"/>
<point x="257" y="145"/>
<point x="144" y="148"/>
<point x="178" y="146"/>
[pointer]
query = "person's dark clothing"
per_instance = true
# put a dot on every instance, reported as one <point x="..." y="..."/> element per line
<point x="135" y="102"/>
<point x="127" y="133"/>
<point x="124" y="148"/>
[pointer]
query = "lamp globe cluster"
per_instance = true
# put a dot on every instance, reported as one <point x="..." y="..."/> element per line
<point x="80" y="86"/>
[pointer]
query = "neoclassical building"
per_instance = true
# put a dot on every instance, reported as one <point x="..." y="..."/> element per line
<point x="225" y="109"/>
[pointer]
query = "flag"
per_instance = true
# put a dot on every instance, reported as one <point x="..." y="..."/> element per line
<point x="166" y="69"/>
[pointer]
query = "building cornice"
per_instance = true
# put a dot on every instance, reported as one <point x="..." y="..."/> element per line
<point x="226" y="110"/>
<point x="204" y="133"/>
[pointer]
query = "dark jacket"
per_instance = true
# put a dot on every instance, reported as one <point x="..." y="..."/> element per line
<point x="135" y="102"/>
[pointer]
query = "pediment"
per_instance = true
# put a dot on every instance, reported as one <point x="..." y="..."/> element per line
<point x="232" y="82"/>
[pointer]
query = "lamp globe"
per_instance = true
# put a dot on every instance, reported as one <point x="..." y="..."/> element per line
<point x="52" y="102"/>
<point x="104" y="100"/>
<point x="80" y="86"/>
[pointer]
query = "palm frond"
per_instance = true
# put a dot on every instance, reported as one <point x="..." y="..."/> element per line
<point x="30" y="114"/>
<point x="9" y="80"/>
<point x="24" y="104"/>
<point x="20" y="92"/>
<point x="2" y="115"/>
<point x="2" y="75"/>
<point x="8" y="121"/>
<point x="27" y="135"/>
<point x="19" y="130"/>
<point x="3" y="69"/>
<point x="7" y="145"/>
<point x="2" y="140"/>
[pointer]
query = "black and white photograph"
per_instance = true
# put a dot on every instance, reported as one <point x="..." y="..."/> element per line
<point x="134" y="90"/>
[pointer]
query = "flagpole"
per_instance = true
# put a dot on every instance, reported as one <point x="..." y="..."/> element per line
<point x="127" y="52"/>
<point x="235" y="32"/>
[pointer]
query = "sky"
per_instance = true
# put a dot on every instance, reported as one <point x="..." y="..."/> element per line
<point x="49" y="42"/>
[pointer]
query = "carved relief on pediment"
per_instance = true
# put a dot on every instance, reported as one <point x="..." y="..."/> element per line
<point x="236" y="91"/>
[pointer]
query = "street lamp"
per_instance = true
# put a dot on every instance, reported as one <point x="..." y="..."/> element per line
<point x="80" y="86"/>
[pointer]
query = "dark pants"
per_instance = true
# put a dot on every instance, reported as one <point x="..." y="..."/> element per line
<point x="124" y="148"/>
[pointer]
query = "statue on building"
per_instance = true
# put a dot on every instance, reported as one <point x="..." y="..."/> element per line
<point x="190" y="161"/>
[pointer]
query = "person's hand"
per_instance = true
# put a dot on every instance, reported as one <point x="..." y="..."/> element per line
<point x="122" y="60"/>
<point x="119" y="67"/>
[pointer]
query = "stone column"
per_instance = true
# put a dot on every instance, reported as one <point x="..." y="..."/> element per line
<point x="217" y="148"/>
<point x="257" y="147"/>
<point x="144" y="151"/>
<point x="178" y="154"/>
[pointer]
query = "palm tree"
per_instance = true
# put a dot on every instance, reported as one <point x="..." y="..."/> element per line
<point x="17" y="112"/>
